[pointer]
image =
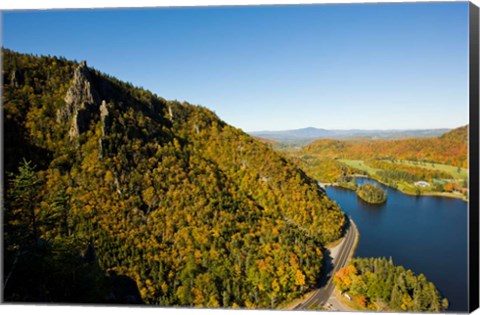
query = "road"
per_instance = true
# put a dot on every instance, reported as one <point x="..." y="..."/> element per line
<point x="320" y="296"/>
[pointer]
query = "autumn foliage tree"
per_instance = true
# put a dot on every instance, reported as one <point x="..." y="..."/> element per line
<point x="376" y="283"/>
<point x="193" y="211"/>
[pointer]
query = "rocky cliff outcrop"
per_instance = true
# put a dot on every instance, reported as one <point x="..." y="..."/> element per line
<point x="106" y="118"/>
<point x="81" y="101"/>
<point x="16" y="78"/>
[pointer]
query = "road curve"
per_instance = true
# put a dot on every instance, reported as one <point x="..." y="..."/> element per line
<point x="320" y="296"/>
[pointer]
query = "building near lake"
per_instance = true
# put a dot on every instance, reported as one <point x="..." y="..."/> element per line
<point x="422" y="184"/>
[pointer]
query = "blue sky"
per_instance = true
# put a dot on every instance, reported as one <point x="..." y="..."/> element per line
<point x="345" y="66"/>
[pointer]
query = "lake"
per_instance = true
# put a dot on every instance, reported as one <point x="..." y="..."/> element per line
<point x="426" y="234"/>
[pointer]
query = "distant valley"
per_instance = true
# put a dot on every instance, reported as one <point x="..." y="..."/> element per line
<point x="441" y="162"/>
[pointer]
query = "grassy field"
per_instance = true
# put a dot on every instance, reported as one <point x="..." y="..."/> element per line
<point x="358" y="164"/>
<point x="452" y="170"/>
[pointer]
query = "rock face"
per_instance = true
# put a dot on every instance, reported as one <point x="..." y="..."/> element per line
<point x="81" y="101"/>
<point x="170" y="113"/>
<point x="106" y="118"/>
<point x="16" y="79"/>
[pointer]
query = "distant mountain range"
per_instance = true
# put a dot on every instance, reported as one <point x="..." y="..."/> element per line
<point x="307" y="135"/>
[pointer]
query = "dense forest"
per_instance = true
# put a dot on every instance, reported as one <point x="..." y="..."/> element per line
<point x="323" y="169"/>
<point x="114" y="194"/>
<point x="372" y="193"/>
<point x="377" y="284"/>
<point x="396" y="171"/>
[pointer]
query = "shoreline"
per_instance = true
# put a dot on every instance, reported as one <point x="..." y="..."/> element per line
<point x="428" y="193"/>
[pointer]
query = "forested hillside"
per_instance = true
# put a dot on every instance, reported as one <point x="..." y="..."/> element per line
<point x="114" y="194"/>
<point x="450" y="148"/>
<point x="441" y="162"/>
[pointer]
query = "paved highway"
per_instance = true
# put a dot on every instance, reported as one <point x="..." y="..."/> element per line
<point x="320" y="296"/>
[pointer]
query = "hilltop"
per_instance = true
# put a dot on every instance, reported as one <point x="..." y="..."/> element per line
<point x="114" y="194"/>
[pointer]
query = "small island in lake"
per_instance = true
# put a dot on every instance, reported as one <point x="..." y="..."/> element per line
<point x="372" y="193"/>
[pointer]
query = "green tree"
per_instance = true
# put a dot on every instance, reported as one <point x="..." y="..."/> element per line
<point x="378" y="283"/>
<point x="24" y="197"/>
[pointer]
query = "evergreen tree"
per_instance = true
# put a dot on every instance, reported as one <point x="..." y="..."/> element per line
<point x="22" y="214"/>
<point x="375" y="282"/>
